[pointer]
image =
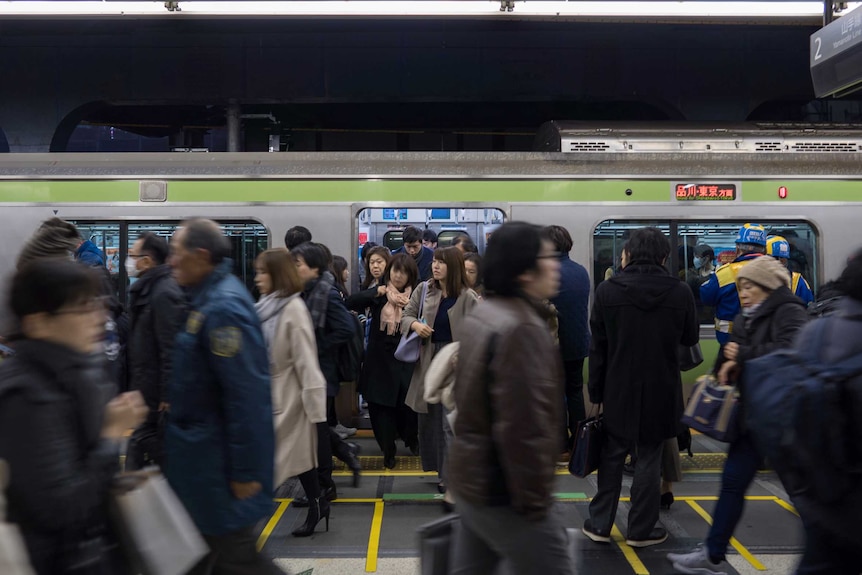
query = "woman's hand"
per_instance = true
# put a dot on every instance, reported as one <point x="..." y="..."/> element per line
<point x="424" y="330"/>
<point x="381" y="290"/>
<point x="124" y="412"/>
<point x="729" y="371"/>
<point x="731" y="351"/>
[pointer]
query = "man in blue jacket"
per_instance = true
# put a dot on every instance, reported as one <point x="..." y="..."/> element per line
<point x="719" y="291"/>
<point x="572" y="303"/>
<point x="219" y="441"/>
<point x="412" y="237"/>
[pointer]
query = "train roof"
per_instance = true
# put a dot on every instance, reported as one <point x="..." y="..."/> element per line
<point x="429" y="165"/>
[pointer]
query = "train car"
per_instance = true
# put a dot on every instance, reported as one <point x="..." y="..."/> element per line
<point x="698" y="186"/>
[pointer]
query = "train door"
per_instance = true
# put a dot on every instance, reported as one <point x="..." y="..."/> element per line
<point x="385" y="226"/>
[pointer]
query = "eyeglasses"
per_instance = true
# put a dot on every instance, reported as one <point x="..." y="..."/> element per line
<point x="134" y="257"/>
<point x="551" y="256"/>
<point x="92" y="305"/>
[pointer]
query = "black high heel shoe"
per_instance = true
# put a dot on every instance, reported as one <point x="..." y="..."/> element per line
<point x="318" y="509"/>
<point x="667" y="500"/>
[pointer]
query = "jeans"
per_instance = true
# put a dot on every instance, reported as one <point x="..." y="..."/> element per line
<point x="739" y="471"/>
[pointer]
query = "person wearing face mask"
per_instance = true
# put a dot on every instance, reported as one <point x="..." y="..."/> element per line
<point x="156" y="309"/>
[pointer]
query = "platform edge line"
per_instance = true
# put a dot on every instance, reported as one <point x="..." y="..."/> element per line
<point x="374" y="538"/>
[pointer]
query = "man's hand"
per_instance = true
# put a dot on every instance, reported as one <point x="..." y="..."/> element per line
<point x="244" y="491"/>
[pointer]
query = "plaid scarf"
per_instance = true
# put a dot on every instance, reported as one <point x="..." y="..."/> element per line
<point x="318" y="298"/>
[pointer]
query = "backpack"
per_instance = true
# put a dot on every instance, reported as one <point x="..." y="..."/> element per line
<point x="350" y="354"/>
<point x="796" y="410"/>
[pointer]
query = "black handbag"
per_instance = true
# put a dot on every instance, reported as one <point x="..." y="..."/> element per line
<point x="587" y="451"/>
<point x="690" y="357"/>
<point x="435" y="542"/>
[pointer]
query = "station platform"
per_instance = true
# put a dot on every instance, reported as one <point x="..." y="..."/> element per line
<point x="373" y="527"/>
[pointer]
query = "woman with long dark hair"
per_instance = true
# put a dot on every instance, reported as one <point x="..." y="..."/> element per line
<point x="447" y="301"/>
<point x="385" y="380"/>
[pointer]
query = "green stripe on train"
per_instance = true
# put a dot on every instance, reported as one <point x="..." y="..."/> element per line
<point x="533" y="191"/>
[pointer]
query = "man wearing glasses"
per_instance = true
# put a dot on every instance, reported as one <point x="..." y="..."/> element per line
<point x="156" y="308"/>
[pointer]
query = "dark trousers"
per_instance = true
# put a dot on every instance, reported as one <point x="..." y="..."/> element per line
<point x="575" y="411"/>
<point x="324" y="455"/>
<point x="739" y="471"/>
<point x="331" y="415"/>
<point x="234" y="554"/>
<point x="824" y="555"/>
<point x="487" y="535"/>
<point x="390" y="422"/>
<point x="646" y="495"/>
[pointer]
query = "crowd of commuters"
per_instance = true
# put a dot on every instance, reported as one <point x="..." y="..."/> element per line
<point x="232" y="397"/>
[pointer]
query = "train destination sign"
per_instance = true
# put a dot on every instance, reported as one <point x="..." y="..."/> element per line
<point x="688" y="192"/>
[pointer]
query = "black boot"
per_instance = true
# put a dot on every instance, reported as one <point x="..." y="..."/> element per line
<point x="347" y="452"/>
<point x="328" y="493"/>
<point x="317" y="510"/>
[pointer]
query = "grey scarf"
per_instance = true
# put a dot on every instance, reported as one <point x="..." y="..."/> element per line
<point x="268" y="309"/>
<point x="318" y="299"/>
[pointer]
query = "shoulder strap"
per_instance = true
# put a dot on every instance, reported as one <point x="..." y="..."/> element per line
<point x="422" y="299"/>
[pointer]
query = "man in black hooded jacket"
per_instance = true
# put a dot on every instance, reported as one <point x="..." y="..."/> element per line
<point x="639" y="319"/>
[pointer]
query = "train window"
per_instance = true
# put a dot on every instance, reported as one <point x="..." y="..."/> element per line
<point x="697" y="248"/>
<point x="247" y="239"/>
<point x="393" y="240"/>
<point x="446" y="237"/>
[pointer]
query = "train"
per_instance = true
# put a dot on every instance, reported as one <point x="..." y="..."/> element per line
<point x="698" y="185"/>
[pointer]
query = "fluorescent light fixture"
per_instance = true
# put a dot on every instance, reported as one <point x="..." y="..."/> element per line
<point x="421" y="8"/>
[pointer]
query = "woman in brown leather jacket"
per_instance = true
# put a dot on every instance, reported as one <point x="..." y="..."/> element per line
<point x="502" y="458"/>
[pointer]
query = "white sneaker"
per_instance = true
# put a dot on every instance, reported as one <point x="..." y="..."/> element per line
<point x="344" y="432"/>
<point x="696" y="562"/>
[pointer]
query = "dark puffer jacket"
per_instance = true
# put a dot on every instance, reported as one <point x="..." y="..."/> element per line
<point x="51" y="410"/>
<point x="509" y="385"/>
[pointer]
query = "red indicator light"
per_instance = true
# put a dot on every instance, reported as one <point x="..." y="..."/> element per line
<point x="782" y="192"/>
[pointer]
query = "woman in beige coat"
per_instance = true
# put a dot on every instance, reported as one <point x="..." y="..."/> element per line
<point x="447" y="302"/>
<point x="298" y="386"/>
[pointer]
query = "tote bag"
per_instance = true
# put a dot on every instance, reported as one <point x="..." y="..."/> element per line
<point x="157" y="533"/>
<point x="713" y="409"/>
<point x="410" y="344"/>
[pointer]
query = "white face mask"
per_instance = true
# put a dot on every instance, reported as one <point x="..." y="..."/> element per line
<point x="131" y="268"/>
<point x="697" y="262"/>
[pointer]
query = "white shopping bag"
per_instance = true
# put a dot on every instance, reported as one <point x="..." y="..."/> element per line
<point x="158" y="534"/>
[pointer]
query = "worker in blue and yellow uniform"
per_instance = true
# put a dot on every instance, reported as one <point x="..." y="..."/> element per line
<point x="779" y="248"/>
<point x="719" y="291"/>
<point x="219" y="443"/>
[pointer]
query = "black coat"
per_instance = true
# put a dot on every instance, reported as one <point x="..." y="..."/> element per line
<point x="384" y="379"/>
<point x="639" y="319"/>
<point x="51" y="410"/>
<point x="774" y="325"/>
<point x="156" y="311"/>
<point x="339" y="327"/>
<point x="843" y="339"/>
